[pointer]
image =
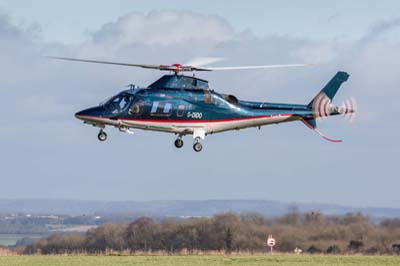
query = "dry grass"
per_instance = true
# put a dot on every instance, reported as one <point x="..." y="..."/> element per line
<point x="200" y="260"/>
<point x="7" y="252"/>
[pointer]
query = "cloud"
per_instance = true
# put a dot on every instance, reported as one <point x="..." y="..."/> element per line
<point x="380" y="29"/>
<point x="10" y="32"/>
<point x="164" y="28"/>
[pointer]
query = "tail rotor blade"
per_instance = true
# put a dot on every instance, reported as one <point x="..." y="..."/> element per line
<point x="349" y="109"/>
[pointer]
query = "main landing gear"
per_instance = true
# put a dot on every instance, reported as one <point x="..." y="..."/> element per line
<point x="102" y="136"/>
<point x="198" y="134"/>
<point x="197" y="147"/>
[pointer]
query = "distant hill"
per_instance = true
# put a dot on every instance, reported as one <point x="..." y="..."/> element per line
<point x="176" y="208"/>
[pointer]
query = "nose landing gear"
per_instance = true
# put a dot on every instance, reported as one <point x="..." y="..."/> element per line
<point x="179" y="143"/>
<point x="102" y="136"/>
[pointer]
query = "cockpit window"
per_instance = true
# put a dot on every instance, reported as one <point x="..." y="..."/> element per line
<point x="118" y="103"/>
<point x="179" y="82"/>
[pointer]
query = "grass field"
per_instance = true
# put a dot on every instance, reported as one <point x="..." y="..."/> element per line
<point x="206" y="260"/>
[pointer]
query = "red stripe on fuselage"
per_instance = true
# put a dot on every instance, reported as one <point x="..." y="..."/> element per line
<point x="192" y="121"/>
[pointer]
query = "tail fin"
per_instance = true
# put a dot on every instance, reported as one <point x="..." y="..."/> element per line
<point x="332" y="87"/>
<point x="321" y="104"/>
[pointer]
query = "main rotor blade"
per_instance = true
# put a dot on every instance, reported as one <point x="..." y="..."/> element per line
<point x="183" y="68"/>
<point x="203" y="61"/>
<point x="251" y="67"/>
<point x="105" y="62"/>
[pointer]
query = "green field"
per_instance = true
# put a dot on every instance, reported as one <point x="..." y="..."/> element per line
<point x="205" y="260"/>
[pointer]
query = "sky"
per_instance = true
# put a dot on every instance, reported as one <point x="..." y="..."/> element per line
<point x="46" y="153"/>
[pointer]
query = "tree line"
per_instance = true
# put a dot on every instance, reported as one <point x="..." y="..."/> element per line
<point x="231" y="232"/>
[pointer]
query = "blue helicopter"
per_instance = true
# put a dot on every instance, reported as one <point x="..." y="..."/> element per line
<point x="185" y="105"/>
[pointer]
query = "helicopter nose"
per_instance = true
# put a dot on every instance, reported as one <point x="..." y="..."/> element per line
<point x="87" y="113"/>
<point x="80" y="115"/>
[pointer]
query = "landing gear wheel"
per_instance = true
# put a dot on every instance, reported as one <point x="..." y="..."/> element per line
<point x="102" y="136"/>
<point x="197" y="147"/>
<point x="179" y="143"/>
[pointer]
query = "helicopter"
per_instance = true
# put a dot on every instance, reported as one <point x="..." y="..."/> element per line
<point x="185" y="105"/>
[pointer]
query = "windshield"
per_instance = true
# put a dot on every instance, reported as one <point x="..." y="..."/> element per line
<point x="119" y="103"/>
<point x="105" y="101"/>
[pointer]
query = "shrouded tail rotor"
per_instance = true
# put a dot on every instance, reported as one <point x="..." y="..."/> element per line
<point x="322" y="108"/>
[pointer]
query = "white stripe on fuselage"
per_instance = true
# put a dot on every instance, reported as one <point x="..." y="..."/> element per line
<point x="188" y="127"/>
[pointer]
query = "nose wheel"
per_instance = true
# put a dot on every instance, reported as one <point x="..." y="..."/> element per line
<point x="102" y="136"/>
<point x="179" y="143"/>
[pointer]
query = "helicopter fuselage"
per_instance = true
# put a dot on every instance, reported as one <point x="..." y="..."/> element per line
<point x="187" y="111"/>
<point x="185" y="105"/>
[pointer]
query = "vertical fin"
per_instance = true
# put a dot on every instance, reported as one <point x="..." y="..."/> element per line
<point x="332" y="87"/>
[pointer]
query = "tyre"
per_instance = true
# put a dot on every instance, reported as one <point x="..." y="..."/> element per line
<point x="179" y="143"/>
<point x="102" y="136"/>
<point x="197" y="147"/>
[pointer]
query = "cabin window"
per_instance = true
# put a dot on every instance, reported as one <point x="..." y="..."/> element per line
<point x="180" y="111"/>
<point x="167" y="108"/>
<point x="161" y="109"/>
<point x="137" y="108"/>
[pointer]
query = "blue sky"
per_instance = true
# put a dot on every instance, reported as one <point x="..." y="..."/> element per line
<point x="72" y="21"/>
<point x="47" y="153"/>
